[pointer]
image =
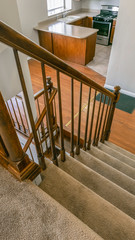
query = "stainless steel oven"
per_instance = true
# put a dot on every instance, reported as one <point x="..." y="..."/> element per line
<point x="103" y="35"/>
<point x="103" y="22"/>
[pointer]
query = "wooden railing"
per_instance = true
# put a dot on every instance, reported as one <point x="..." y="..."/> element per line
<point x="41" y="124"/>
<point x="99" y="113"/>
<point x="12" y="156"/>
<point x="17" y="112"/>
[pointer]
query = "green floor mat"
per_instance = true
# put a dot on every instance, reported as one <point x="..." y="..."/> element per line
<point x="126" y="103"/>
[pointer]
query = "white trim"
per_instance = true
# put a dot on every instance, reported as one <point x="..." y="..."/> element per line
<point x="28" y="58"/>
<point x="131" y="94"/>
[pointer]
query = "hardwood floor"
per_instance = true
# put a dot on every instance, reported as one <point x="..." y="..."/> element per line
<point x="123" y="128"/>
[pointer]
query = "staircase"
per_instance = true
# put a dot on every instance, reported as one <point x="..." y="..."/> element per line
<point x="88" y="194"/>
<point x="98" y="188"/>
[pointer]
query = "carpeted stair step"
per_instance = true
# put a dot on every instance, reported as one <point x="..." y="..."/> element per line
<point x="104" y="218"/>
<point x="116" y="154"/>
<point x="112" y="161"/>
<point x="100" y="185"/>
<point x="28" y="213"/>
<point x="107" y="171"/>
<point x="121" y="150"/>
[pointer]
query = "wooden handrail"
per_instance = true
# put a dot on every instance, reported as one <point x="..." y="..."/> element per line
<point x="39" y="93"/>
<point x="19" y="42"/>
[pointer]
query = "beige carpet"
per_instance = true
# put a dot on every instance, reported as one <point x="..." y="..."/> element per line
<point x="28" y="213"/>
<point x="100" y="215"/>
<point x="91" y="196"/>
<point x="107" y="171"/>
<point x="111" y="192"/>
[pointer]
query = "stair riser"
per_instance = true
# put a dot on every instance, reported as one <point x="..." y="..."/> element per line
<point x="94" y="211"/>
<point x="107" y="171"/>
<point x="115" y="163"/>
<point x="121" y="150"/>
<point x="118" y="155"/>
<point x="100" y="185"/>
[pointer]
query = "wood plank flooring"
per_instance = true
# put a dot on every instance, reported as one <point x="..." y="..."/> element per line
<point x="123" y="128"/>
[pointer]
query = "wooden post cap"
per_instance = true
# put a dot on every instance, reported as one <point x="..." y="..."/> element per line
<point x="117" y="88"/>
<point x="117" y="93"/>
<point x="49" y="82"/>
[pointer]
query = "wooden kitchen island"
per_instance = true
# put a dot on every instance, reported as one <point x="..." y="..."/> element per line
<point x="68" y="42"/>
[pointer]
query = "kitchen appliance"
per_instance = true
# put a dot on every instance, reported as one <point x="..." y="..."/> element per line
<point x="103" y="22"/>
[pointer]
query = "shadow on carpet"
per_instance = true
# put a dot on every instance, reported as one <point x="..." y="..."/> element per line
<point x="126" y="103"/>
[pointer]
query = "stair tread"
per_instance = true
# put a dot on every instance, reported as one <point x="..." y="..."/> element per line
<point x="120" y="149"/>
<point x="107" y="171"/>
<point x="116" y="154"/>
<point x="100" y="185"/>
<point x="112" y="161"/>
<point x="93" y="210"/>
<point x="29" y="213"/>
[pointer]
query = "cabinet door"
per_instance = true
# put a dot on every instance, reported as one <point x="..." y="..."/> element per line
<point x="112" y="34"/>
<point x="90" y="22"/>
<point x="77" y="23"/>
<point x="114" y="22"/>
<point x="85" y="22"/>
<point x="45" y="40"/>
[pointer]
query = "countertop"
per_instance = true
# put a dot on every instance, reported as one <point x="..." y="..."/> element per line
<point x="62" y="27"/>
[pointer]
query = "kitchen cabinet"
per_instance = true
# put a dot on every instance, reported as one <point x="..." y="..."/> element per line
<point x="77" y="22"/>
<point x="84" y="22"/>
<point x="46" y="40"/>
<point x="80" y="51"/>
<point x="90" y="22"/>
<point x="69" y="42"/>
<point x="113" y="30"/>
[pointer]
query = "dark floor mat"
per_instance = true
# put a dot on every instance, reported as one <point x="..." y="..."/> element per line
<point x="126" y="103"/>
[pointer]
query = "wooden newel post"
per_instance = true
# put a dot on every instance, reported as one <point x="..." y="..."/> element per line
<point x="50" y="87"/>
<point x="16" y="160"/>
<point x="9" y="135"/>
<point x="110" y="117"/>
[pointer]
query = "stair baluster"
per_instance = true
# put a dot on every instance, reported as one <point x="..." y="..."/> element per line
<point x="79" y="122"/>
<point x="87" y="120"/>
<point x="96" y="128"/>
<point x="23" y="84"/>
<point x="54" y="157"/>
<point x="105" y="120"/>
<point x="62" y="151"/>
<point x="101" y="118"/>
<point x="111" y="115"/>
<point x="72" y="118"/>
<point x="91" y="124"/>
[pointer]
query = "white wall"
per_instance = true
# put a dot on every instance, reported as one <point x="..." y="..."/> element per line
<point x="96" y="4"/>
<point x="31" y="12"/>
<point x="9" y="80"/>
<point x="9" y="13"/>
<point x="121" y="69"/>
<point x="76" y="5"/>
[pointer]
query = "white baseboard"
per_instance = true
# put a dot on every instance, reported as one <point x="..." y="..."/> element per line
<point x="28" y="58"/>
<point x="131" y="94"/>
